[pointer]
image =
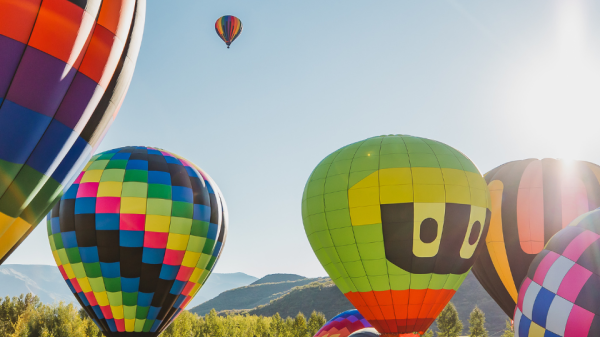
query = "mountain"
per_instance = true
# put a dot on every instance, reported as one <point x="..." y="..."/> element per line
<point x="259" y="293"/>
<point x="218" y="283"/>
<point x="47" y="283"/>
<point x="44" y="281"/>
<point x="322" y="295"/>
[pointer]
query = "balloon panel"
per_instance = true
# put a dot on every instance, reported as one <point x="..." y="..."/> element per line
<point x="136" y="236"/>
<point x="343" y="325"/>
<point x="396" y="221"/>
<point x="531" y="200"/>
<point x="65" y="70"/>
<point x="559" y="296"/>
<point x="229" y="28"/>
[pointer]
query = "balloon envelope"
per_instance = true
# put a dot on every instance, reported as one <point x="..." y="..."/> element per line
<point x="65" y="67"/>
<point x="559" y="296"/>
<point x="228" y="28"/>
<point x="136" y="236"/>
<point x="343" y="325"/>
<point x="396" y="221"/>
<point x="531" y="200"/>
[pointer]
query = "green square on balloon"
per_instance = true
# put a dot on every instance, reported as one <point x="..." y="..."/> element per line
<point x="399" y="282"/>
<point x="148" y="325"/>
<point x="375" y="267"/>
<point x="141" y="312"/>
<point x="379" y="283"/>
<point x="200" y="228"/>
<point x="93" y="269"/>
<point x="115" y="298"/>
<point x="97" y="284"/>
<point x="112" y="284"/>
<point x="116" y="164"/>
<point x="437" y="281"/>
<point x="159" y="191"/>
<point x="136" y="175"/>
<point x="129" y="311"/>
<point x="348" y="253"/>
<point x="130" y="298"/>
<point x="78" y="270"/>
<point x="196" y="244"/>
<point x="183" y="209"/>
<point x="73" y="254"/>
<point x="420" y="281"/>
<point x="362" y="284"/>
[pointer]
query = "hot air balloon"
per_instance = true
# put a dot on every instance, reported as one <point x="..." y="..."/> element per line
<point x="229" y="28"/>
<point x="343" y="325"/>
<point x="136" y="236"/>
<point x="531" y="200"/>
<point x="397" y="222"/>
<point x="559" y="296"/>
<point x="65" y="67"/>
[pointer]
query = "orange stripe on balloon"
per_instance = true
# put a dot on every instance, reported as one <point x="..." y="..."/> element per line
<point x="530" y="209"/>
<point x="573" y="195"/>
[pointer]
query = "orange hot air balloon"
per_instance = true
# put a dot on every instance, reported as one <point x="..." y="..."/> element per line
<point x="532" y="200"/>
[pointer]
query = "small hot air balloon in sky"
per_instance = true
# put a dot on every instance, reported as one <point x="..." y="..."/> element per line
<point x="136" y="236"/>
<point x="343" y="325"/>
<point x="65" y="67"/>
<point x="229" y="28"/>
<point x="397" y="222"/>
<point x="531" y="200"/>
<point x="559" y="295"/>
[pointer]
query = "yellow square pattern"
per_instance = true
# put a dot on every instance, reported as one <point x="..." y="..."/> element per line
<point x="92" y="176"/>
<point x="455" y="177"/>
<point x="177" y="241"/>
<point x="190" y="259"/>
<point x="101" y="298"/>
<point x="117" y="311"/>
<point x="396" y="194"/>
<point x="110" y="189"/>
<point x="157" y="223"/>
<point x="395" y="176"/>
<point x="427" y="176"/>
<point x="430" y="193"/>
<point x="84" y="283"/>
<point x="363" y="197"/>
<point x="131" y="205"/>
<point x="367" y="215"/>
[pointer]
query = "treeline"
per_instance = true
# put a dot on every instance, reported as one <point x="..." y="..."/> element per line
<point x="26" y="316"/>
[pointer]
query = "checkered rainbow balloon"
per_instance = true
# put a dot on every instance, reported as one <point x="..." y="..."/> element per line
<point x="560" y="295"/>
<point x="136" y="236"/>
<point x="343" y="325"/>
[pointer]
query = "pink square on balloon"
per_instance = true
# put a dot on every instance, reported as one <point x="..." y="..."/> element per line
<point x="579" y="322"/>
<point x="188" y="288"/>
<point x="132" y="222"/>
<point x="106" y="312"/>
<point x="91" y="298"/>
<point x="76" y="285"/>
<point x="544" y="266"/>
<point x="120" y="323"/>
<point x="78" y="180"/>
<point x="155" y="240"/>
<point x="579" y="245"/>
<point x="108" y="205"/>
<point x="572" y="283"/>
<point x="184" y="273"/>
<point x="174" y="257"/>
<point x="87" y="190"/>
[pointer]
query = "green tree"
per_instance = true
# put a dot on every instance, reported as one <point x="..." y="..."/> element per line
<point x="449" y="325"/>
<point x="477" y="323"/>
<point x="299" y="326"/>
<point x="429" y="333"/>
<point x="508" y="331"/>
<point x="315" y="322"/>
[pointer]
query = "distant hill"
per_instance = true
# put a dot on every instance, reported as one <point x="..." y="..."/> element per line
<point x="321" y="295"/>
<point x="47" y="283"/>
<point x="218" y="283"/>
<point x="276" y="278"/>
<point x="251" y="296"/>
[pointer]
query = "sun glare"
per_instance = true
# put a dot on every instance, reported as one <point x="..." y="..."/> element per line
<point x="553" y="97"/>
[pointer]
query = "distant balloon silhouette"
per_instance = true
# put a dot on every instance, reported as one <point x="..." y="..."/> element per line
<point x="65" y="67"/>
<point x="532" y="199"/>
<point x="397" y="222"/>
<point x="136" y="236"/>
<point x="229" y="28"/>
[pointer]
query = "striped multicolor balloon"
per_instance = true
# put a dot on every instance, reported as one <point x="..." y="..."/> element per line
<point x="229" y="28"/>
<point x="343" y="325"/>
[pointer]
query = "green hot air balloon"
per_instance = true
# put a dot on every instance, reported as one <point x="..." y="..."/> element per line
<point x="397" y="222"/>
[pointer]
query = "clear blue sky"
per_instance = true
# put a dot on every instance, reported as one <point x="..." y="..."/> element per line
<point x="498" y="80"/>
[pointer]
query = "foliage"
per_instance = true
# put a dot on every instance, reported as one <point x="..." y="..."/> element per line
<point x="429" y="333"/>
<point x="26" y="316"/>
<point x="477" y="323"/>
<point x="508" y="331"/>
<point x="448" y="323"/>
